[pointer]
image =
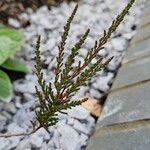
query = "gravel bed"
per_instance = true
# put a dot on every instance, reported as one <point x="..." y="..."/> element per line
<point x="73" y="130"/>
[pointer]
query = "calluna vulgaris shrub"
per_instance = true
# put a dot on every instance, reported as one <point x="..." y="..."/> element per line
<point x="55" y="96"/>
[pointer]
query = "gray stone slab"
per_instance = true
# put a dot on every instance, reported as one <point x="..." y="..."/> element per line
<point x="138" y="50"/>
<point x="146" y="10"/>
<point x="132" y="73"/>
<point x="126" y="105"/>
<point x="145" y="20"/>
<point x="135" y="139"/>
<point x="142" y="34"/>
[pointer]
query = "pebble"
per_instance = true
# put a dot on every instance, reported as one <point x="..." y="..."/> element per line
<point x="3" y="120"/>
<point x="17" y="101"/>
<point x="13" y="23"/>
<point x="13" y="142"/>
<point x="4" y="143"/>
<point x="24" y="144"/>
<point x="10" y="107"/>
<point x="81" y="128"/>
<point x="119" y="43"/>
<point x="69" y="139"/>
<point x="14" y="128"/>
<point x="36" y="141"/>
<point x="94" y="93"/>
<point x="101" y="83"/>
<point x="74" y="113"/>
<point x="25" y="87"/>
<point x="23" y="117"/>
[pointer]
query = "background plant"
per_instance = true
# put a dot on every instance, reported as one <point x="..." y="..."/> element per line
<point x="10" y="43"/>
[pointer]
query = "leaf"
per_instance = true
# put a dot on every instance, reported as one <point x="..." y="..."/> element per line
<point x="6" y="89"/>
<point x="15" y="65"/>
<point x="10" y="42"/>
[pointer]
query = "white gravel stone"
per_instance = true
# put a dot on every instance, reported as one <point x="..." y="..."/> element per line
<point x="95" y="93"/>
<point x="103" y="82"/>
<point x="71" y="121"/>
<point x="10" y="107"/>
<point x="119" y="43"/>
<point x="74" y="113"/>
<point x="13" y="128"/>
<point x="4" y="143"/>
<point x="36" y="140"/>
<point x="13" y="142"/>
<point x="17" y="101"/>
<point x="14" y="23"/>
<point x="84" y="139"/>
<point x="69" y="139"/>
<point x="82" y="128"/>
<point x="23" y="117"/>
<point x="24" y="144"/>
<point x="25" y="87"/>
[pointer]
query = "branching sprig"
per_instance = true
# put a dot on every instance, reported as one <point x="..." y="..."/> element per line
<point x="61" y="48"/>
<point x="68" y="80"/>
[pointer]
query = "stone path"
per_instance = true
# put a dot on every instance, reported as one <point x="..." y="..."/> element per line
<point x="125" y="120"/>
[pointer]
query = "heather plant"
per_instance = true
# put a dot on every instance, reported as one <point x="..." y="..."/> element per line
<point x="10" y="43"/>
<point x="54" y="97"/>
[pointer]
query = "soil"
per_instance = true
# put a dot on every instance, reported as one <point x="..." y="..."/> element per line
<point x="12" y="8"/>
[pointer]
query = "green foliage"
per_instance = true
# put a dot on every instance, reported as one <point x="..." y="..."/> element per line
<point x="10" y="43"/>
<point x="5" y="87"/>
<point x="55" y="97"/>
<point x="14" y="65"/>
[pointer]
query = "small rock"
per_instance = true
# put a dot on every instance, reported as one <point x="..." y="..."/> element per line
<point x="24" y="144"/>
<point x="25" y="87"/>
<point x="102" y="82"/>
<point x="119" y="43"/>
<point x="81" y="128"/>
<point x="93" y="106"/>
<point x="6" y="114"/>
<point x="55" y="140"/>
<point x="95" y="93"/>
<point x="36" y="141"/>
<point x="10" y="107"/>
<point x="3" y="120"/>
<point x="78" y="112"/>
<point x="18" y="101"/>
<point x="29" y="97"/>
<point x="13" y="128"/>
<point x="71" y="121"/>
<point x="84" y="139"/>
<point x="14" y="141"/>
<point x="69" y="139"/>
<point x="23" y="117"/>
<point x="44" y="146"/>
<point x="13" y="23"/>
<point x="4" y="143"/>
<point x="51" y="43"/>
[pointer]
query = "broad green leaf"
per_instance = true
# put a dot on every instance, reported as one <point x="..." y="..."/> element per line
<point x="15" y="65"/>
<point x="10" y="42"/>
<point x="6" y="89"/>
